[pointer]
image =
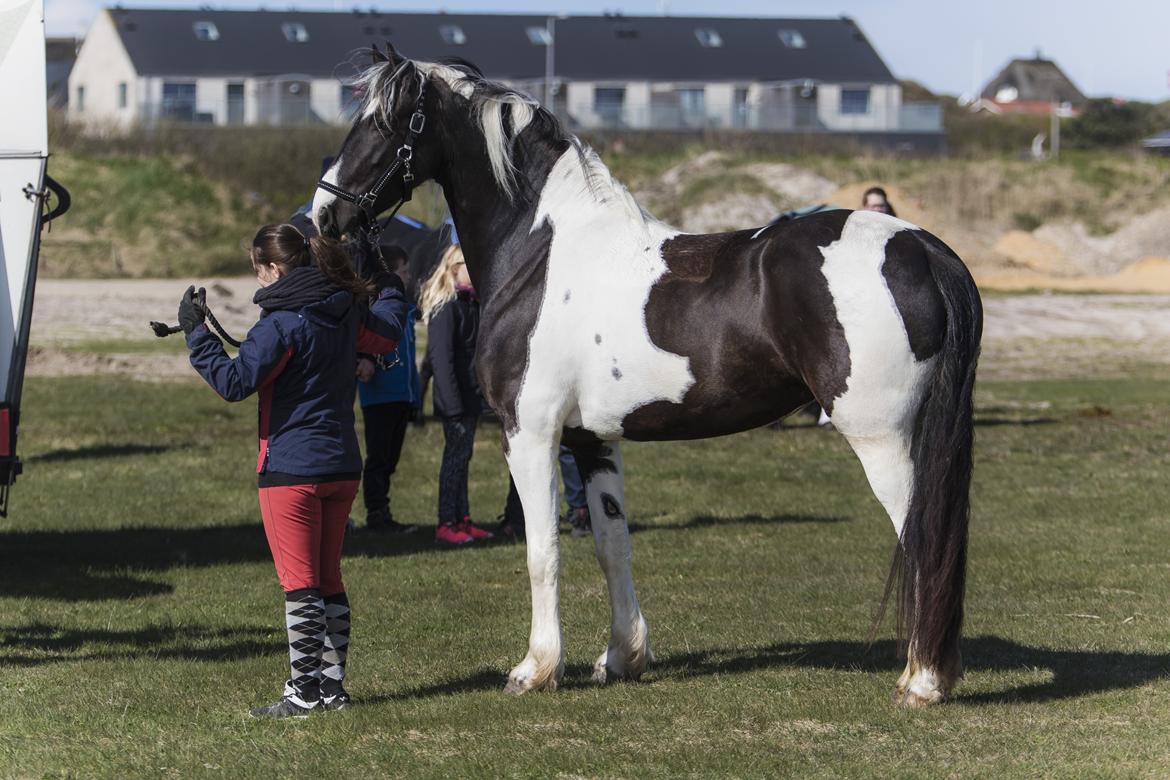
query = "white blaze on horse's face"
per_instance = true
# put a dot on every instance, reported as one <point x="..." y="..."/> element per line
<point x="590" y="348"/>
<point x="323" y="198"/>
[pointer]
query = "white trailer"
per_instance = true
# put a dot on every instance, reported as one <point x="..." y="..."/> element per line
<point x="25" y="192"/>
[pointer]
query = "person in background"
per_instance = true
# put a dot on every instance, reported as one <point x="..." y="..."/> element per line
<point x="390" y="398"/>
<point x="511" y="524"/>
<point x="317" y="314"/>
<point x="875" y="199"/>
<point x="451" y="310"/>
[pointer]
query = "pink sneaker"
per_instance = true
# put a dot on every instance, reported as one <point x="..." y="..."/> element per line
<point x="451" y="535"/>
<point x="473" y="530"/>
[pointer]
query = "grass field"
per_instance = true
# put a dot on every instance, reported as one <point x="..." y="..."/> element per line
<point x="140" y="616"/>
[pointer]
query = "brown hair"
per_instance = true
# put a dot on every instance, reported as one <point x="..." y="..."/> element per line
<point x="287" y="247"/>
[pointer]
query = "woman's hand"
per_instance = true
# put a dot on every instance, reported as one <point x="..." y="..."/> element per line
<point x="191" y="309"/>
<point x="365" y="369"/>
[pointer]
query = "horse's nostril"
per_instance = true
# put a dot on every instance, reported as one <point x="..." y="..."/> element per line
<point x="325" y="222"/>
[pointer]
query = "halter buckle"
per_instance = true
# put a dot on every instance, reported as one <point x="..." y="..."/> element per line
<point x="417" y="122"/>
<point x="406" y="153"/>
<point x="366" y="202"/>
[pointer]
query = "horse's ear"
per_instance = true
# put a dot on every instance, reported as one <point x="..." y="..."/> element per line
<point x="392" y="54"/>
<point x="376" y="55"/>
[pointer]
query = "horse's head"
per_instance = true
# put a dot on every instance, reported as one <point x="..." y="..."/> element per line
<point x="391" y="147"/>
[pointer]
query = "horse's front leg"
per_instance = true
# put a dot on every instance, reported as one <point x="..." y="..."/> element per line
<point x="629" y="641"/>
<point x="532" y="461"/>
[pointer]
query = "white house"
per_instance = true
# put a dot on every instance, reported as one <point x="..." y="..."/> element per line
<point x="599" y="72"/>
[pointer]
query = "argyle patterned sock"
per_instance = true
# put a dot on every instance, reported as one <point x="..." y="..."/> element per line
<point x="305" y="620"/>
<point x="336" y="643"/>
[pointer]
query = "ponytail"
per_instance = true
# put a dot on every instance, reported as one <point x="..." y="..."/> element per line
<point x="286" y="246"/>
<point x="333" y="261"/>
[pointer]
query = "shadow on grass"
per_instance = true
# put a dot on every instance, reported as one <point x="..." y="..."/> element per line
<point x="704" y="521"/>
<point x="99" y="451"/>
<point x="1074" y="673"/>
<point x="108" y="564"/>
<point x="95" y="565"/>
<point x="36" y="644"/>
<point x="994" y="422"/>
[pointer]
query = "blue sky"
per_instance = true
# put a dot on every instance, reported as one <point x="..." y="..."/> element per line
<point x="1117" y="48"/>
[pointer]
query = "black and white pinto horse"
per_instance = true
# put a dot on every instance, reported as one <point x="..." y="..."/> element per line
<point x="600" y="323"/>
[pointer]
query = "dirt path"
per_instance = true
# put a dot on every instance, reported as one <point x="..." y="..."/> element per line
<point x="100" y="326"/>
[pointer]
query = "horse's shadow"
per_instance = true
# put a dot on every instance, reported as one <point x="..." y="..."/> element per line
<point x="1073" y="673"/>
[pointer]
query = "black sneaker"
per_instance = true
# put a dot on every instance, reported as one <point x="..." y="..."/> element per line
<point x="336" y="701"/>
<point x="285" y="708"/>
<point x="382" y="522"/>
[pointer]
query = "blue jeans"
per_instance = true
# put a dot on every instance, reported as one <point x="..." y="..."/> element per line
<point x="574" y="489"/>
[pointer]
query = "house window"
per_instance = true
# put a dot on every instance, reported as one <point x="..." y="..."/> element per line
<point x="708" y="38"/>
<point x="206" y="31"/>
<point x="81" y="98"/>
<point x="608" y="104"/>
<point x="739" y="108"/>
<point x="123" y="96"/>
<point x="178" y="101"/>
<point x="692" y="105"/>
<point x="235" y="103"/>
<point x="452" y="34"/>
<point x="295" y="32"/>
<point x="538" y="36"/>
<point x="792" y="39"/>
<point x="855" y="101"/>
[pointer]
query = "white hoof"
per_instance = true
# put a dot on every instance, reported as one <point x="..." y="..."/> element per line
<point x="532" y="676"/>
<point x="921" y="688"/>
<point x="612" y="665"/>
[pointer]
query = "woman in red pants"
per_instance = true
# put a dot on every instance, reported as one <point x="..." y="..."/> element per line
<point x="300" y="357"/>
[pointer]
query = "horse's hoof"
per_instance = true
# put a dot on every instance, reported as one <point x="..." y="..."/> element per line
<point x="912" y="700"/>
<point x="604" y="673"/>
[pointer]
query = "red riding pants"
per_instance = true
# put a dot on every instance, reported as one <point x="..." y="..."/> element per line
<point x="305" y="526"/>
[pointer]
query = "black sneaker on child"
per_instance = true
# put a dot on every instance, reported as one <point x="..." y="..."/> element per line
<point x="285" y="708"/>
<point x="380" y="521"/>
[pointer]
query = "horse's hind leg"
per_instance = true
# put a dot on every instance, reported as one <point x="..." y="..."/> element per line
<point x="532" y="461"/>
<point x="629" y="644"/>
<point x="888" y="465"/>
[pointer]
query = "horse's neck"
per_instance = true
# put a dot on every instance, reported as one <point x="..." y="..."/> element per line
<point x="580" y="194"/>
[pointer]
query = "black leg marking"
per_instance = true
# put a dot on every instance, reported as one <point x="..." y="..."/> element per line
<point x="613" y="510"/>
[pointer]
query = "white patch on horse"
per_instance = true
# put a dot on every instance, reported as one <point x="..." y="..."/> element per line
<point x="876" y="412"/>
<point x="323" y="198"/>
<point x="607" y="259"/>
<point x="761" y="230"/>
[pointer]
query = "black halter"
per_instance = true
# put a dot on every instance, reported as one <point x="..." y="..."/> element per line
<point x="402" y="161"/>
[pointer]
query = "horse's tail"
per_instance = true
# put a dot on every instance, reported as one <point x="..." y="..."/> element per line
<point x="931" y="563"/>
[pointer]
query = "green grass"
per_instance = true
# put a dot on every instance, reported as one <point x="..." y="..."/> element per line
<point x="140" y="616"/>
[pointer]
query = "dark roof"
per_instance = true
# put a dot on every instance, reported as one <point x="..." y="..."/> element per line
<point x="1035" y="79"/>
<point x="251" y="43"/>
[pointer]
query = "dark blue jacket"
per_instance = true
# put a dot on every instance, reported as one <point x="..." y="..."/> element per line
<point x="301" y="358"/>
<point x="400" y="383"/>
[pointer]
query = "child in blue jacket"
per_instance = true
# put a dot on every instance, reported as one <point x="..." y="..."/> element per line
<point x="300" y="357"/>
<point x="390" y="398"/>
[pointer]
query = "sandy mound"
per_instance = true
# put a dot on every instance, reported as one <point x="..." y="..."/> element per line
<point x="799" y="186"/>
<point x="1148" y="275"/>
<point x="733" y="212"/>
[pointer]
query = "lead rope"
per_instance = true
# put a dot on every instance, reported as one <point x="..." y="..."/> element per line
<point x="162" y="330"/>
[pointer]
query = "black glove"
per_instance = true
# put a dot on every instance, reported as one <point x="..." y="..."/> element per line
<point x="191" y="309"/>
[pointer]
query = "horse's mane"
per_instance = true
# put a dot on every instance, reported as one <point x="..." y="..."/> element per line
<point x="500" y="112"/>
